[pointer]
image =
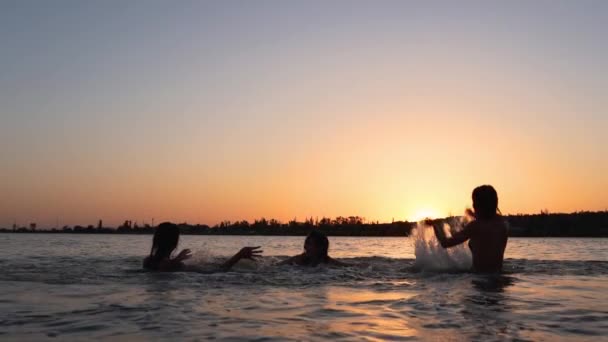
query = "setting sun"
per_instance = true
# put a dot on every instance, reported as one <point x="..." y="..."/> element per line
<point x="303" y="170"/>
<point x="425" y="213"/>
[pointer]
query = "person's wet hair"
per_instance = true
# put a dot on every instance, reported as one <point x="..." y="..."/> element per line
<point x="166" y="237"/>
<point x="485" y="202"/>
<point x="321" y="242"/>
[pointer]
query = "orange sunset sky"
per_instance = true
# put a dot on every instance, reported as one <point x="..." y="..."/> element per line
<point x="203" y="112"/>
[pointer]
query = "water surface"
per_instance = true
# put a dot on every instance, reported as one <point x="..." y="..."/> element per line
<point x="91" y="286"/>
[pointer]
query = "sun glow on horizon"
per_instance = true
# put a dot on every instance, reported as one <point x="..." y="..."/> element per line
<point x="425" y="213"/>
<point x="397" y="119"/>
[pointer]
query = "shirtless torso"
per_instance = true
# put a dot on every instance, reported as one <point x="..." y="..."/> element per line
<point x="487" y="241"/>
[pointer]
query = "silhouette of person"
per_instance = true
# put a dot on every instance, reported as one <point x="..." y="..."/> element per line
<point x="316" y="251"/>
<point x="166" y="238"/>
<point x="487" y="232"/>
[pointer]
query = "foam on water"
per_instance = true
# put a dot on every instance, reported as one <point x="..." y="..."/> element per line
<point x="430" y="256"/>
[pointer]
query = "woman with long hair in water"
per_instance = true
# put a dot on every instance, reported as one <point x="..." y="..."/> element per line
<point x="166" y="238"/>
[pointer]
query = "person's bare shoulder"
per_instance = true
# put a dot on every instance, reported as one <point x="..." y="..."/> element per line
<point x="294" y="260"/>
<point x="146" y="262"/>
<point x="497" y="225"/>
<point x="504" y="224"/>
<point x="472" y="227"/>
<point x="339" y="263"/>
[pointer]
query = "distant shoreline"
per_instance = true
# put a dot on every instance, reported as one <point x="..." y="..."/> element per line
<point x="580" y="224"/>
<point x="45" y="232"/>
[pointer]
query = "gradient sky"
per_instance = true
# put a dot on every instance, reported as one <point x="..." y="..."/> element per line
<point x="204" y="111"/>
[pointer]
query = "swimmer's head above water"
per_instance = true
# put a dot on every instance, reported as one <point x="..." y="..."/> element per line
<point x="316" y="252"/>
<point x="166" y="238"/>
<point x="316" y="246"/>
<point x="485" y="202"/>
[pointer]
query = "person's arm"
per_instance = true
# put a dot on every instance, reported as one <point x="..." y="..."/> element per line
<point x="185" y="254"/>
<point x="244" y="253"/>
<point x="456" y="239"/>
<point x="175" y="264"/>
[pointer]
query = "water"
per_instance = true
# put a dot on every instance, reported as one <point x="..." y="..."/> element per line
<point x="79" y="287"/>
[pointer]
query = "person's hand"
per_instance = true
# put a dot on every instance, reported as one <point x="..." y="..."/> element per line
<point x="183" y="255"/>
<point x="470" y="213"/>
<point x="250" y="253"/>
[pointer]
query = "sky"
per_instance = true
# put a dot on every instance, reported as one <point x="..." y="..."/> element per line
<point x="204" y="111"/>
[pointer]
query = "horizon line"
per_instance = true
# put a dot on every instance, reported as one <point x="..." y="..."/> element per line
<point x="311" y="220"/>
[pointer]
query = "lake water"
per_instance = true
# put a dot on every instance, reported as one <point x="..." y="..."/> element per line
<point x="79" y="287"/>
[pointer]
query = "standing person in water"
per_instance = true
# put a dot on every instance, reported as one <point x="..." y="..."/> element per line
<point x="166" y="238"/>
<point x="316" y="251"/>
<point x="487" y="233"/>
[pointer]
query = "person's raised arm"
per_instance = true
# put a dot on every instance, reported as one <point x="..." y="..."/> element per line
<point x="244" y="253"/>
<point x="456" y="239"/>
<point x="175" y="264"/>
<point x="183" y="255"/>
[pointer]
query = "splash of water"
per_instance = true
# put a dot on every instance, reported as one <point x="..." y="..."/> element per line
<point x="203" y="261"/>
<point x="430" y="256"/>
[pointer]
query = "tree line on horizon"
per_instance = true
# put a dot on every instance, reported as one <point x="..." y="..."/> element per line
<point x="545" y="224"/>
